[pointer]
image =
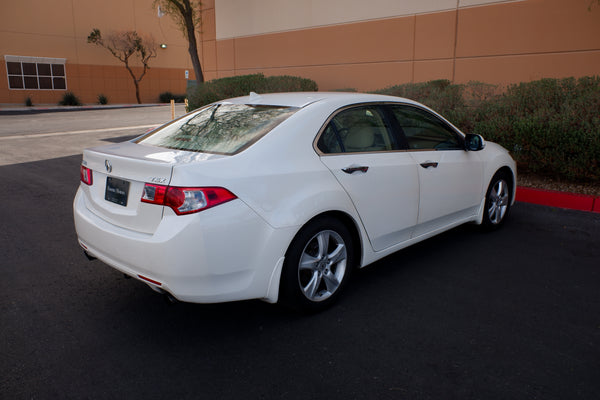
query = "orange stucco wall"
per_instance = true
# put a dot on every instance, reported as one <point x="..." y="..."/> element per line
<point x="59" y="29"/>
<point x="495" y="43"/>
<point x="500" y="43"/>
<point x="88" y="81"/>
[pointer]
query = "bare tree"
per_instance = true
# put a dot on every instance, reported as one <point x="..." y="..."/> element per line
<point x="188" y="16"/>
<point x="124" y="45"/>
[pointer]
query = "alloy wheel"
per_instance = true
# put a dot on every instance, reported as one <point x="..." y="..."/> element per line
<point x="498" y="201"/>
<point x="322" y="265"/>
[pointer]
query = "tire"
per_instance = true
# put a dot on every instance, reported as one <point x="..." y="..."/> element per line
<point x="497" y="201"/>
<point x="317" y="265"/>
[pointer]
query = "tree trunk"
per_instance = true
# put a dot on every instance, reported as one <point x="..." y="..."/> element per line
<point x="135" y="82"/>
<point x="137" y="91"/>
<point x="193" y="46"/>
<point x="193" y="50"/>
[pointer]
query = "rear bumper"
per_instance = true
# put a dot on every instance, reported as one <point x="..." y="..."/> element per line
<point x="225" y="253"/>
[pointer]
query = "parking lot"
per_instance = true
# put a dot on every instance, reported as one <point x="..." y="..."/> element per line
<point x="513" y="314"/>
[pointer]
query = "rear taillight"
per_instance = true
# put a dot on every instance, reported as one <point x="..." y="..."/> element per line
<point x="186" y="200"/>
<point x="85" y="175"/>
<point x="154" y="194"/>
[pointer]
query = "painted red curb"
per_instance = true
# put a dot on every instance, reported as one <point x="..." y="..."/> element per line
<point x="558" y="199"/>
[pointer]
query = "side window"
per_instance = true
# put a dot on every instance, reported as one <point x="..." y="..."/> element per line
<point x="359" y="129"/>
<point x="425" y="131"/>
<point x="329" y="141"/>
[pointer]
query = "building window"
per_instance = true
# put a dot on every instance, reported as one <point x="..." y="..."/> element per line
<point x="37" y="73"/>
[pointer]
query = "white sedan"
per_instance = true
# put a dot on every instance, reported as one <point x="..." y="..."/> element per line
<point x="280" y="196"/>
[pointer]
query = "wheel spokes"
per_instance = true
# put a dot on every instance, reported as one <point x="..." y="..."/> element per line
<point x="308" y="262"/>
<point x="500" y="188"/>
<point x="498" y="202"/>
<point x="331" y="282"/>
<point x="322" y="265"/>
<point x="310" y="290"/>
<point x="323" y="240"/>
<point x="338" y="254"/>
<point x="492" y="211"/>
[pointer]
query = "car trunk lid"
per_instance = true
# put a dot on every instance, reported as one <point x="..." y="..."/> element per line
<point x="120" y="173"/>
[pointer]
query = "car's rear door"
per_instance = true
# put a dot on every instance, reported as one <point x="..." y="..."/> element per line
<point x="357" y="145"/>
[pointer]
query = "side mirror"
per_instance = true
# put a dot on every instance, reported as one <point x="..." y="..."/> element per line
<point x="474" y="142"/>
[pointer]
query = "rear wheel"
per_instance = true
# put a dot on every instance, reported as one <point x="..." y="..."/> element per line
<point x="497" y="201"/>
<point x="317" y="265"/>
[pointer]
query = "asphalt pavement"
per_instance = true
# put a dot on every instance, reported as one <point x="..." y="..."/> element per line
<point x="512" y="314"/>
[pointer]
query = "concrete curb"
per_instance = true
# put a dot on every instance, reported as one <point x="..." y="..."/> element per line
<point x="558" y="199"/>
<point x="52" y="108"/>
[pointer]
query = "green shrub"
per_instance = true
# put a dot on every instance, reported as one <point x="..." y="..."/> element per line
<point x="346" y="90"/>
<point x="28" y="102"/>
<point x="102" y="99"/>
<point x="442" y="96"/>
<point x="552" y="126"/>
<point x="287" y="83"/>
<point x="166" y="97"/>
<point x="69" y="99"/>
<point x="235" y="86"/>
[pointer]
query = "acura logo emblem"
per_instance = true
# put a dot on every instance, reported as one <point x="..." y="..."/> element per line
<point x="108" y="166"/>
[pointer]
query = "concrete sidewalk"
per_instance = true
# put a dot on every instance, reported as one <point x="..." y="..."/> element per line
<point x="12" y="109"/>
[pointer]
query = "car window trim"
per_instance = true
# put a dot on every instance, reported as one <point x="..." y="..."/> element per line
<point x="397" y="131"/>
<point x="382" y="113"/>
<point x="439" y="118"/>
<point x="337" y="136"/>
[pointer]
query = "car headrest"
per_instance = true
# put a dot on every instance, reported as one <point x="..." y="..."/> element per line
<point x="360" y="137"/>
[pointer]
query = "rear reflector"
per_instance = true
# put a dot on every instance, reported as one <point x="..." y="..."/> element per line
<point x="186" y="200"/>
<point x="152" y="281"/>
<point x="85" y="175"/>
<point x="154" y="194"/>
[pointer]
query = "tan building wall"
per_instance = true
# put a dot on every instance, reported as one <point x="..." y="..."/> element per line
<point x="59" y="29"/>
<point x="358" y="44"/>
<point x="373" y="44"/>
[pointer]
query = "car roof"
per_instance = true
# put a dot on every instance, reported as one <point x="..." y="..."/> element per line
<point x="302" y="99"/>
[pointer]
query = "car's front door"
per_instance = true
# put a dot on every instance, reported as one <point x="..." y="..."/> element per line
<point x="359" y="148"/>
<point x="450" y="177"/>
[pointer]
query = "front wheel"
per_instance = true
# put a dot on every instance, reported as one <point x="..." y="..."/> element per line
<point x="317" y="265"/>
<point x="497" y="201"/>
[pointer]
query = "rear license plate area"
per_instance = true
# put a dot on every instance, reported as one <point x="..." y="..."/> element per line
<point x="117" y="191"/>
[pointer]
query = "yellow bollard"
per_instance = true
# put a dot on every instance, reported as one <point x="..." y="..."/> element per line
<point x="172" y="109"/>
<point x="187" y="109"/>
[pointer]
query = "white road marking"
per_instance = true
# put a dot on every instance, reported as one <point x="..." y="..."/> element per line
<point x="42" y="135"/>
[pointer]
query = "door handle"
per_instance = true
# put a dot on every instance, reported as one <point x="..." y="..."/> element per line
<point x="429" y="164"/>
<point x="352" y="169"/>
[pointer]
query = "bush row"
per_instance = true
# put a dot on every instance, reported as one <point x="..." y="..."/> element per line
<point x="235" y="86"/>
<point x="551" y="126"/>
<point x="166" y="97"/>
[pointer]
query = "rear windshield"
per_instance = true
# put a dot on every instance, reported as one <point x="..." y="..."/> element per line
<point x="219" y="128"/>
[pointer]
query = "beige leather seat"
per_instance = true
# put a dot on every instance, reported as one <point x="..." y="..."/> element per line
<point x="366" y="138"/>
<point x="360" y="138"/>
